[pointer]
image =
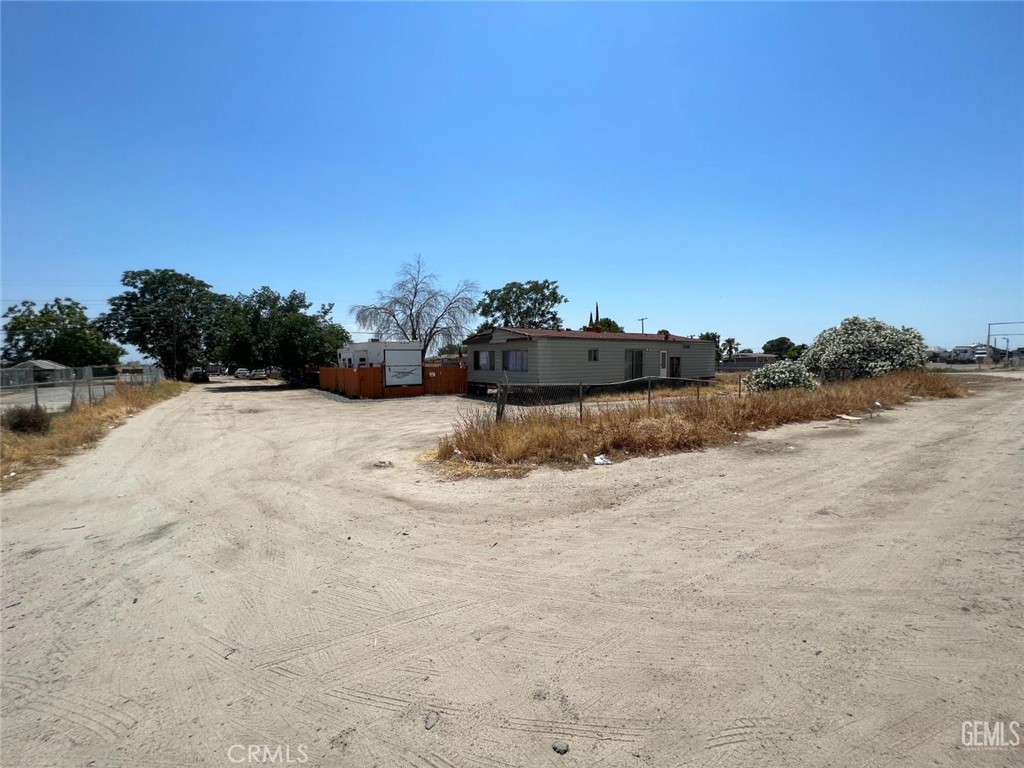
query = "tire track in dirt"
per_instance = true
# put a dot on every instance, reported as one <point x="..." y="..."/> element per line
<point x="105" y="717"/>
<point x="305" y="645"/>
<point x="598" y="730"/>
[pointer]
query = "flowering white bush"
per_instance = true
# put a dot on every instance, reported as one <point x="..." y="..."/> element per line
<point x="783" y="374"/>
<point x="859" y="348"/>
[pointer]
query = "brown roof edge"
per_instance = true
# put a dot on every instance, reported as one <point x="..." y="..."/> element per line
<point x="545" y="333"/>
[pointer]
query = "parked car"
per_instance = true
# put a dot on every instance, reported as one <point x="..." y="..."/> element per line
<point x="199" y="377"/>
<point x="242" y="373"/>
<point x="259" y="373"/>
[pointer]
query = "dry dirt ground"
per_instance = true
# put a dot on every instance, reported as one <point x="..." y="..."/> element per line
<point x="229" y="569"/>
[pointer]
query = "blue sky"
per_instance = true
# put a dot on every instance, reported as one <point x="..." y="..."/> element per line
<point x="754" y="169"/>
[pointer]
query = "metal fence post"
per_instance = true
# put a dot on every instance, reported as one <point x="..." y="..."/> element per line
<point x="698" y="393"/>
<point x="89" y="382"/>
<point x="73" y="384"/>
<point x="649" y="382"/>
<point x="35" y="391"/>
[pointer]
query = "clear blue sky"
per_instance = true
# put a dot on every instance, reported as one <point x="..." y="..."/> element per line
<point x="754" y="169"/>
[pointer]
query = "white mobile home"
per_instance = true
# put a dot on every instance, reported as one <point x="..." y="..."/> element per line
<point x="541" y="356"/>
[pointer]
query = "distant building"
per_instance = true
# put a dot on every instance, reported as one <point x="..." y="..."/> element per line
<point x="968" y="353"/>
<point x="746" y="361"/>
<point x="44" y="370"/>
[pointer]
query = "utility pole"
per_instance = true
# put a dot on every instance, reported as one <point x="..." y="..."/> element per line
<point x="641" y="319"/>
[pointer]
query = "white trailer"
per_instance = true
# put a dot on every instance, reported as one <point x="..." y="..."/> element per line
<point x="402" y="361"/>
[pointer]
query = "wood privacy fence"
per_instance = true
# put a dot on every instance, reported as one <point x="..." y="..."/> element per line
<point x="369" y="382"/>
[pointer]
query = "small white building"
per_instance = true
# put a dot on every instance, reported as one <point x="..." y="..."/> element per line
<point x="402" y="360"/>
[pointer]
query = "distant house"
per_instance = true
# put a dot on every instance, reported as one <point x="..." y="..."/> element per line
<point x="541" y="356"/>
<point x="44" y="370"/>
<point x="451" y="360"/>
<point x="746" y="361"/>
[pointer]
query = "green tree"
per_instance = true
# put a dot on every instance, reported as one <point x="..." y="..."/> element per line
<point x="715" y="339"/>
<point x="453" y="349"/>
<point x="60" y="332"/>
<point x="663" y="331"/>
<point x="604" y="324"/>
<point x="416" y="308"/>
<point x="794" y="352"/>
<point x="729" y="347"/>
<point x="265" y="329"/>
<point x="779" y="346"/>
<point x="170" y="316"/>
<point x="522" y="305"/>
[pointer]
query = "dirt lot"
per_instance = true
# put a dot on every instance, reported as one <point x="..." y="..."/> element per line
<point x="228" y="569"/>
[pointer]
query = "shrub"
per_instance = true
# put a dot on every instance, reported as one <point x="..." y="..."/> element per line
<point x="29" y="420"/>
<point x="859" y="348"/>
<point x="784" y="374"/>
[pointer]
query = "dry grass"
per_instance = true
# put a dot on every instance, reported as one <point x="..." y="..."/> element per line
<point x="28" y="455"/>
<point x="723" y="382"/>
<point x="555" y="435"/>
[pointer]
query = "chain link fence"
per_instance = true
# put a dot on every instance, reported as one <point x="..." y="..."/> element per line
<point x="59" y="389"/>
<point x="582" y="396"/>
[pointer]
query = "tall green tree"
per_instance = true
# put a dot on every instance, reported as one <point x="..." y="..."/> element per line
<point x="267" y="329"/>
<point x="170" y="316"/>
<point x="779" y="346"/>
<point x="532" y="304"/>
<point x="729" y="347"/>
<point x="60" y="331"/>
<point x="417" y="308"/>
<point x="715" y="338"/>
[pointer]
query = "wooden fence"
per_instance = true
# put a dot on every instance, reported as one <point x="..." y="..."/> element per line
<point x="369" y="382"/>
<point x="445" y="380"/>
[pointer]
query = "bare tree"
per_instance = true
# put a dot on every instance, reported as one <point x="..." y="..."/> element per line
<point x="416" y="308"/>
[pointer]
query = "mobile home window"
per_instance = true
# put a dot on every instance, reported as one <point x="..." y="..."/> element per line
<point x="483" y="360"/>
<point x="514" y="360"/>
<point x="592" y="355"/>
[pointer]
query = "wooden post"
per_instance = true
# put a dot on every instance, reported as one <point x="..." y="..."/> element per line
<point x="698" y="393"/>
<point x="581" y="402"/>
<point x="739" y="383"/>
<point x="35" y="390"/>
<point x="73" y="383"/>
<point x="89" y="381"/>
<point x="648" y="395"/>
